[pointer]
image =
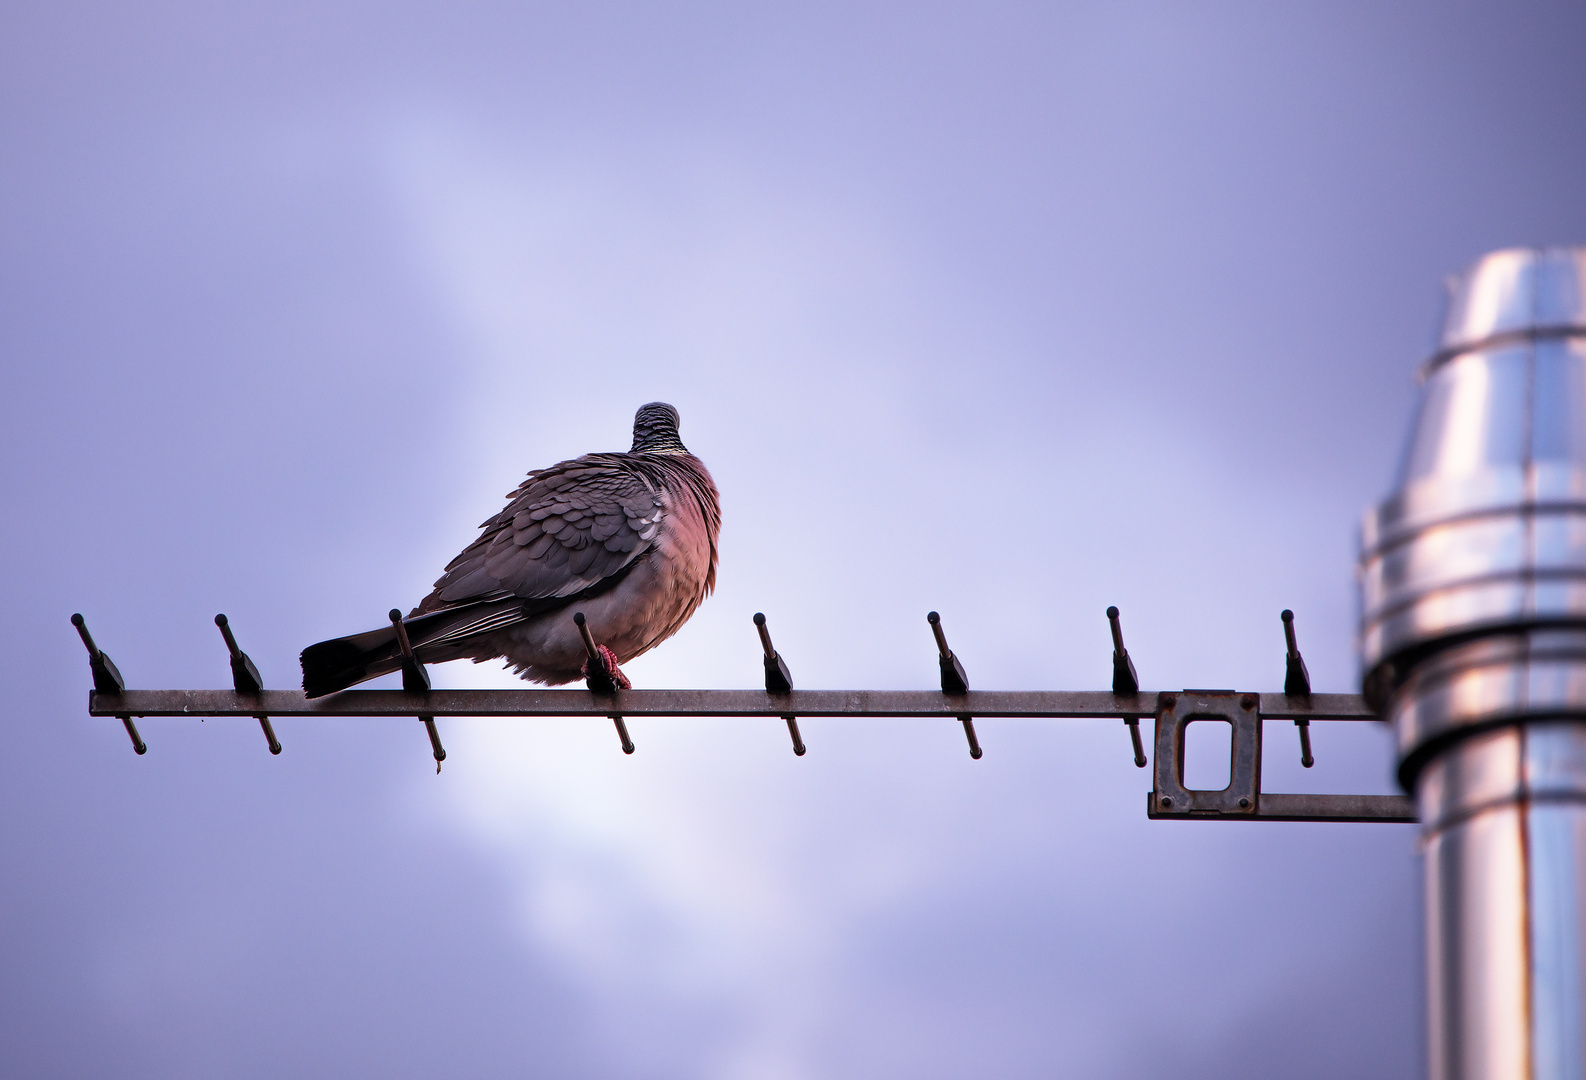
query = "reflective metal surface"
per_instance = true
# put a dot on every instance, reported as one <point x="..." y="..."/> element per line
<point x="1491" y="680"/>
<point x="1516" y="291"/>
<point x="1486" y="528"/>
<point x="1473" y="636"/>
<point x="1505" y="814"/>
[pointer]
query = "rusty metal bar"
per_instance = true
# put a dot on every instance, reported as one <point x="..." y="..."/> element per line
<point x="1031" y="704"/>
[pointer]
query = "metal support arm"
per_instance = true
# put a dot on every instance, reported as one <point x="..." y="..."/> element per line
<point x="1028" y="704"/>
<point x="1172" y="711"/>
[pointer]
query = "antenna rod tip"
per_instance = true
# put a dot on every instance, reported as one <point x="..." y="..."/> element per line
<point x="1287" y="616"/>
<point x="759" y="618"/>
<point x="395" y="614"/>
<point x="1112" y="613"/>
<point x="933" y="618"/>
<point x="578" y="618"/>
<point x="77" y="620"/>
<point x="220" y="621"/>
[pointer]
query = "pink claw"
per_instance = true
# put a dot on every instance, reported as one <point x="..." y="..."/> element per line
<point x="610" y="662"/>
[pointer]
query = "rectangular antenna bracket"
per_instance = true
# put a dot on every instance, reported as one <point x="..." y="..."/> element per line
<point x="1243" y="799"/>
<point x="1174" y="713"/>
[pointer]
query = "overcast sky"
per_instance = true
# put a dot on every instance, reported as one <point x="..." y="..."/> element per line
<point x="1011" y="312"/>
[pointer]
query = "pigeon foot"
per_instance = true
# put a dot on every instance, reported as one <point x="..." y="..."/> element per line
<point x="612" y="673"/>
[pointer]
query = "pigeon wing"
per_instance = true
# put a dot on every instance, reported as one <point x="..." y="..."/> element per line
<point x="566" y="529"/>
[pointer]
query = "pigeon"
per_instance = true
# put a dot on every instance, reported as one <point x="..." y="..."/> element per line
<point x="628" y="540"/>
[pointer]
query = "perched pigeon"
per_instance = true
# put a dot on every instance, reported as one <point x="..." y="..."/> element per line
<point x="627" y="539"/>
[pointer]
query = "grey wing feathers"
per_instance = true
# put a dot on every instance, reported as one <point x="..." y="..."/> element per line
<point x="566" y="529"/>
<point x="482" y="618"/>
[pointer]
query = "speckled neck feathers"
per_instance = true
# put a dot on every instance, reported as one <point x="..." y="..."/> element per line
<point x="655" y="430"/>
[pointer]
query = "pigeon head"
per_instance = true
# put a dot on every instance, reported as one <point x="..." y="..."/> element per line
<point x="655" y="430"/>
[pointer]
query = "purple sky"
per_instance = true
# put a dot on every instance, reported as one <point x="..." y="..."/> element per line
<point x="1011" y="312"/>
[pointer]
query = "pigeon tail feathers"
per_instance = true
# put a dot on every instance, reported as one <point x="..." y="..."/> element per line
<point x="329" y="666"/>
<point x="436" y="637"/>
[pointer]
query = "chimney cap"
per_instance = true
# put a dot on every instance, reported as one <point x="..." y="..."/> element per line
<point x="1515" y="292"/>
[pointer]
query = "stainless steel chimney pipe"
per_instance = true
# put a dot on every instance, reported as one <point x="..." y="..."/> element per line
<point x="1473" y="636"/>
